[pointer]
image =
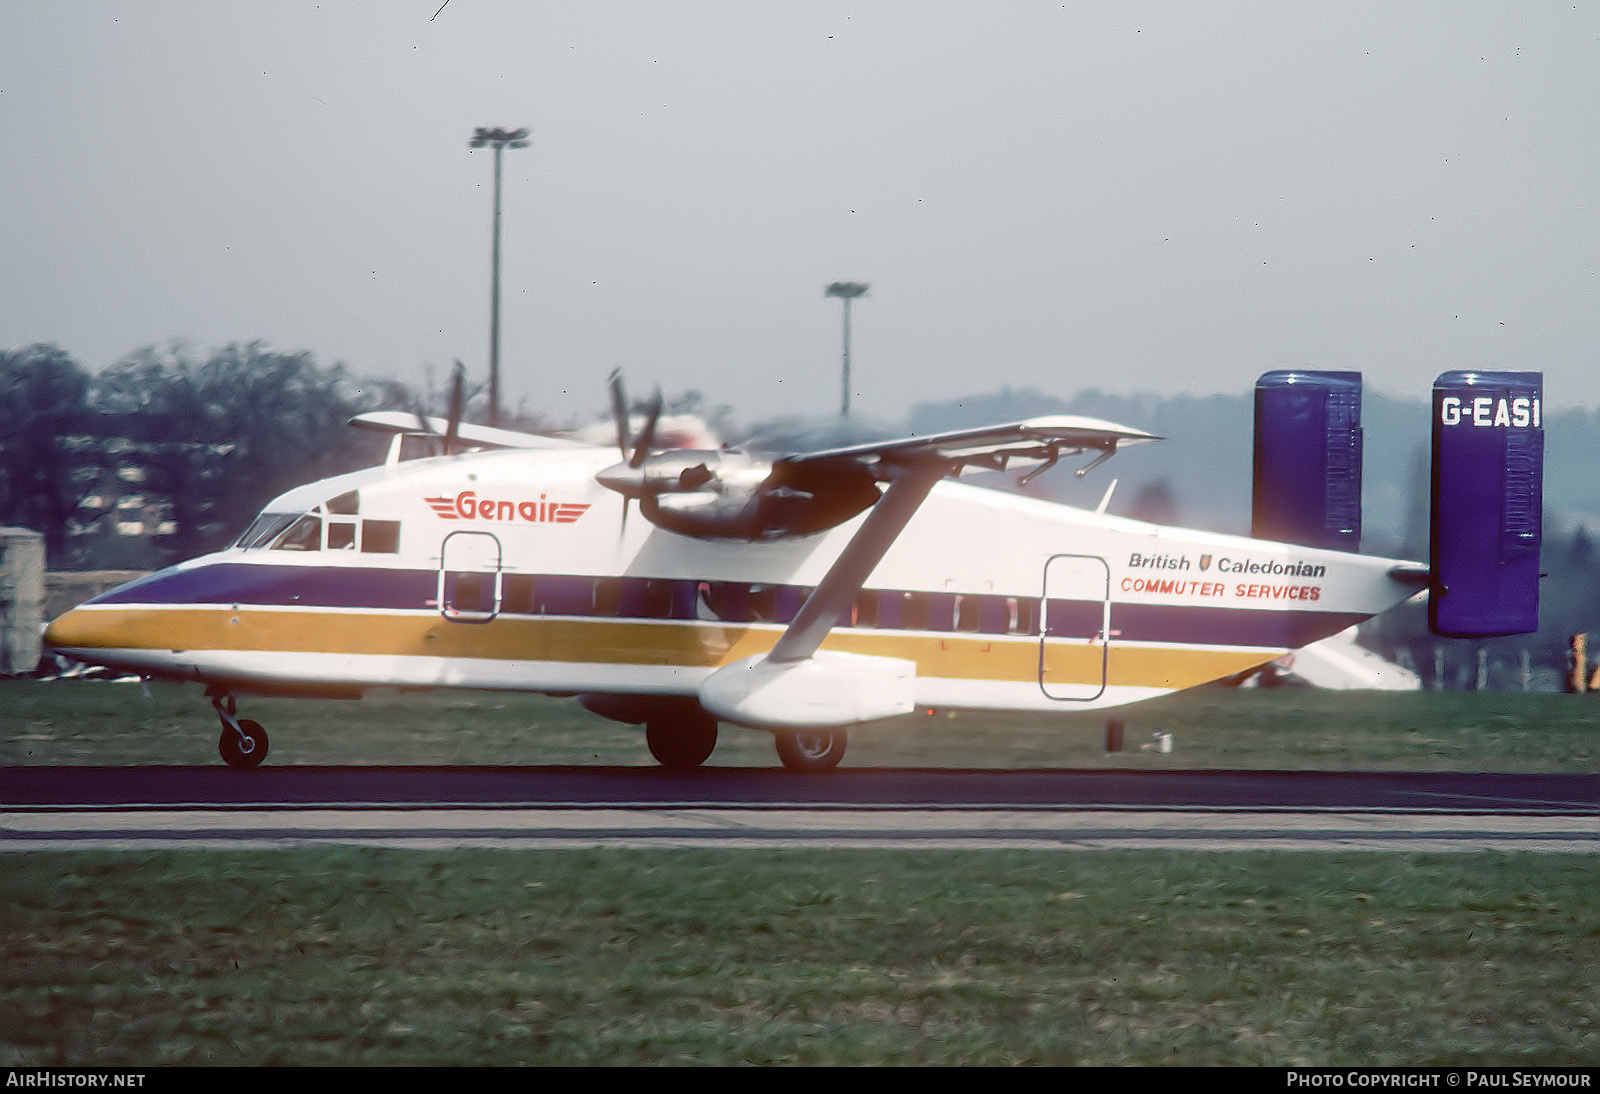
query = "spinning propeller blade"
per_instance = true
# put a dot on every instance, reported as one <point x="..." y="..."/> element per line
<point x="457" y="400"/>
<point x="627" y="478"/>
<point x="619" y="412"/>
<point x="647" y="436"/>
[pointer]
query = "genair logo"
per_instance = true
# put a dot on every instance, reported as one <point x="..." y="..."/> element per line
<point x="468" y="506"/>
<point x="1488" y="412"/>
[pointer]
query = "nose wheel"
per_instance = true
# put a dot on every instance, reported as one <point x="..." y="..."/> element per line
<point x="243" y="742"/>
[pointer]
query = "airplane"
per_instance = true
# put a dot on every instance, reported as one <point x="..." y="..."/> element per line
<point x="808" y="594"/>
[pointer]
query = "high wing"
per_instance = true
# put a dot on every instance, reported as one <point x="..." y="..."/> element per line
<point x="742" y="495"/>
<point x="401" y="423"/>
<point x="913" y="466"/>
<point x="1046" y="438"/>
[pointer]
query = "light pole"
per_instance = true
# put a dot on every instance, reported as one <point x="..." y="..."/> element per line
<point x="499" y="140"/>
<point x="846" y="291"/>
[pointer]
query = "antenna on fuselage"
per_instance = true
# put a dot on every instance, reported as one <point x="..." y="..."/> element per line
<point x="1100" y="510"/>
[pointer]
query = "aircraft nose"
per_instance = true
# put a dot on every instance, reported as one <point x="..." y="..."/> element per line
<point x="74" y="630"/>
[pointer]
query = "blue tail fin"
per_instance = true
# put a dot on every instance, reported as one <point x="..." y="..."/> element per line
<point x="1488" y="470"/>
<point x="1308" y="459"/>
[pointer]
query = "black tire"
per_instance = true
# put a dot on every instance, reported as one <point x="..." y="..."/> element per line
<point x="236" y="753"/>
<point x="681" y="742"/>
<point x="812" y="751"/>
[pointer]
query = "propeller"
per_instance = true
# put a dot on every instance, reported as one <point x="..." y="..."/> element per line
<point x="634" y="451"/>
<point x="723" y="493"/>
<point x="457" y="403"/>
<point x="619" y="412"/>
<point x="629" y="478"/>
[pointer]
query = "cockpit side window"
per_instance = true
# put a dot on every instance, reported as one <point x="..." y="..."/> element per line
<point x="304" y="535"/>
<point x="341" y="535"/>
<point x="346" y="504"/>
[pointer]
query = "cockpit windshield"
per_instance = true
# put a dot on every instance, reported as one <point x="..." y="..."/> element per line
<point x="265" y="528"/>
<point x="335" y="525"/>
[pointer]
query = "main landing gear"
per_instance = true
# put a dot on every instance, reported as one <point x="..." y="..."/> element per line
<point x="243" y="742"/>
<point x="681" y="739"/>
<point x="681" y="735"/>
<point x="811" y="751"/>
<point x="684" y="739"/>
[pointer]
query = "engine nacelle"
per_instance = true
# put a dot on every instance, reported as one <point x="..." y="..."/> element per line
<point x="788" y="500"/>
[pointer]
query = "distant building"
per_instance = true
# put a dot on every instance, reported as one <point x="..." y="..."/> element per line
<point x="117" y="525"/>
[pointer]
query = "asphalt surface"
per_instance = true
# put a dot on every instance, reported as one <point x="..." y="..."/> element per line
<point x="173" y="786"/>
<point x="141" y="808"/>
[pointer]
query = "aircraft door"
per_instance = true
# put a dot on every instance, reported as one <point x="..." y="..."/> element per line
<point x="469" y="577"/>
<point x="1075" y="631"/>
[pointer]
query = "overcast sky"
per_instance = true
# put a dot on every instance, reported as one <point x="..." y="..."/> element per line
<point x="1163" y="197"/>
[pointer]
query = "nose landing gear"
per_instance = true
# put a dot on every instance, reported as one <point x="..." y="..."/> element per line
<point x="243" y="742"/>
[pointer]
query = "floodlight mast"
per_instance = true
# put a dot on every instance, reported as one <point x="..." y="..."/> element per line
<point x="846" y="291"/>
<point x="499" y="140"/>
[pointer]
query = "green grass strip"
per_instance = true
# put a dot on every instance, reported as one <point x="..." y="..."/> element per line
<point x="360" y="956"/>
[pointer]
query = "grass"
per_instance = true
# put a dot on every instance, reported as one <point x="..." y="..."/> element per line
<point x="353" y="956"/>
<point x="83" y="722"/>
<point x="349" y="957"/>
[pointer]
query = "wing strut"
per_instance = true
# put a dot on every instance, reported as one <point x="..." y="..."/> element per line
<point x="909" y="487"/>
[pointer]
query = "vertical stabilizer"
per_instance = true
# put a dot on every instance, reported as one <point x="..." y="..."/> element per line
<point x="1488" y="471"/>
<point x="1308" y="459"/>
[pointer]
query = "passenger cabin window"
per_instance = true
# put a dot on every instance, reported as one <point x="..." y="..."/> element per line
<point x="1019" y="615"/>
<point x="969" y="613"/>
<point x="764" y="603"/>
<point x="865" y="611"/>
<point x="380" y="537"/>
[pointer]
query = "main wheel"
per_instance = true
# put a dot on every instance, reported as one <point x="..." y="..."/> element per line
<point x="681" y="742"/>
<point x="248" y="752"/>
<point x="813" y="750"/>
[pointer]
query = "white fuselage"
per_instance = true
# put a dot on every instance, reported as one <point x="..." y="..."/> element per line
<point x="517" y="570"/>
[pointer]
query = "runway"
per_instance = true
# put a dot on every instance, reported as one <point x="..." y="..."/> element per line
<point x="145" y="808"/>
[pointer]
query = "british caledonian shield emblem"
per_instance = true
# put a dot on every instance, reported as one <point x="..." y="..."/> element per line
<point x="1205" y="563"/>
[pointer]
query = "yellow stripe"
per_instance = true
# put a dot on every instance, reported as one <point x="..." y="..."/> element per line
<point x="682" y="644"/>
